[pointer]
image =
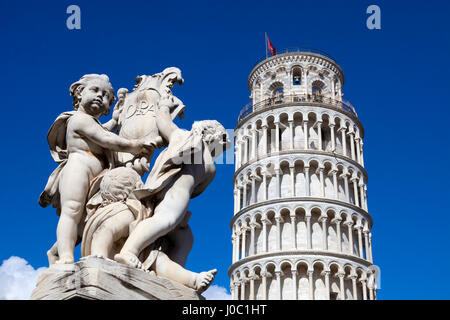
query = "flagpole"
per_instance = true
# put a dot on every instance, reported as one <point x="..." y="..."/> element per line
<point x="265" y="34"/>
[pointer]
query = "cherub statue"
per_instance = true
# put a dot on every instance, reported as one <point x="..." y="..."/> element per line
<point x="174" y="180"/>
<point x="113" y="211"/>
<point x="83" y="147"/>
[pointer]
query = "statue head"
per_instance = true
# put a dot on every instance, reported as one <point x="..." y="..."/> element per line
<point x="117" y="184"/>
<point x="93" y="93"/>
<point x="214" y="134"/>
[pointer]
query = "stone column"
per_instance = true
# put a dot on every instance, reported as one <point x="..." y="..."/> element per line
<point x="362" y="152"/>
<point x="291" y="135"/>
<point x="254" y="143"/>
<point x="244" y="196"/>
<point x="341" y="276"/>
<point x="364" y="288"/>
<point x="307" y="179"/>
<point x="243" y="281"/>
<point x="322" y="181"/>
<point x="370" y="291"/>
<point x="355" y="292"/>
<point x="292" y="175"/>
<point x="335" y="184"/>
<point x="311" y="284"/>
<point x="278" y="276"/>
<point x="370" y="247"/>
<point x="252" y="249"/>
<point x="358" y="148"/>
<point x="236" y="157"/>
<point x="294" y="230"/>
<point x="252" y="286"/>
<point x="305" y="133"/>
<point x="277" y="136"/>
<point x="245" y="159"/>
<point x="360" y="244"/>
<point x="238" y="244"/>
<point x="239" y="204"/>
<point x="319" y="134"/>
<point x="350" y="236"/>
<point x="264" y="130"/>
<point x="308" y="231"/>
<point x="344" y="141"/>
<point x="326" y="274"/>
<point x="366" y="243"/>
<point x="278" y="220"/>
<point x="236" y="290"/>
<point x="294" y="285"/>
<point x="323" y="219"/>
<point x="354" y="180"/>
<point x="352" y="145"/>
<point x="361" y="191"/>
<point x="264" y="276"/>
<point x="235" y="195"/>
<point x="365" y="198"/>
<point x="244" y="230"/>
<point x="305" y="81"/>
<point x="347" y="193"/>
<point x="333" y="138"/>
<point x="337" y="221"/>
<point x="264" y="185"/>
<point x="265" y="222"/>
<point x="233" y="294"/>
<point x="233" y="241"/>
<point x="241" y="152"/>
<point x="253" y="190"/>
<point x="278" y="182"/>
<point x="237" y="239"/>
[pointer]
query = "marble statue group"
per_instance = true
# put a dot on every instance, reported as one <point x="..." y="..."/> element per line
<point x="98" y="189"/>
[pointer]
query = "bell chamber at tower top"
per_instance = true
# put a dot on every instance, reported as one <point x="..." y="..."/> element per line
<point x="296" y="75"/>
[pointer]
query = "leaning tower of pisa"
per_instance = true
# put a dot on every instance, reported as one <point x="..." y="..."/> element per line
<point x="301" y="228"/>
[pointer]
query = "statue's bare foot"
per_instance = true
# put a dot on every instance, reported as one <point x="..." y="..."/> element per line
<point x="204" y="280"/>
<point x="65" y="260"/>
<point x="128" y="259"/>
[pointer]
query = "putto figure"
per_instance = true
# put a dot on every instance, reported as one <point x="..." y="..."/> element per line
<point x="97" y="188"/>
<point x="114" y="211"/>
<point x="181" y="172"/>
<point x="83" y="148"/>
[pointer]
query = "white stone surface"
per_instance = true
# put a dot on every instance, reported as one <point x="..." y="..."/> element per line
<point x="97" y="188"/>
<point x="301" y="227"/>
<point x="97" y="278"/>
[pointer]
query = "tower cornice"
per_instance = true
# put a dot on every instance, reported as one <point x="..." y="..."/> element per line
<point x="313" y="253"/>
<point x="301" y="152"/>
<point x="300" y="200"/>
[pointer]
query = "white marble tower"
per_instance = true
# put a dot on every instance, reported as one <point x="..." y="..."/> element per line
<point x="301" y="228"/>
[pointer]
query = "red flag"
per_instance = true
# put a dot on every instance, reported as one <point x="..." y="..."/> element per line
<point x="272" y="49"/>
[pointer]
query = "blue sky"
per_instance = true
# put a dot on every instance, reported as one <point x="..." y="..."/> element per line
<point x="396" y="77"/>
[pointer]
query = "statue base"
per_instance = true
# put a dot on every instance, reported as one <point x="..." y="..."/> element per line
<point x="97" y="278"/>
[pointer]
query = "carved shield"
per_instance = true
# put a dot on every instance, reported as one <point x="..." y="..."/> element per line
<point x="137" y="119"/>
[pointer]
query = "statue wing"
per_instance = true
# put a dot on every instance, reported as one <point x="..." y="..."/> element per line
<point x="56" y="137"/>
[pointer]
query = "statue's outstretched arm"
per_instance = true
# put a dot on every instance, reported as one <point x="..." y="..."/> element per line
<point x="90" y="129"/>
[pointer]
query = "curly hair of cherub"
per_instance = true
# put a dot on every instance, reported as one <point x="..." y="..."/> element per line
<point x="77" y="87"/>
<point x="117" y="184"/>
<point x="210" y="130"/>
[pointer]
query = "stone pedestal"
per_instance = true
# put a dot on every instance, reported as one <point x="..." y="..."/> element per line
<point x="95" y="278"/>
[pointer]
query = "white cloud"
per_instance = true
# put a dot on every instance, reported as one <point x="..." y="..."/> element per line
<point x="17" y="279"/>
<point x="217" y="293"/>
